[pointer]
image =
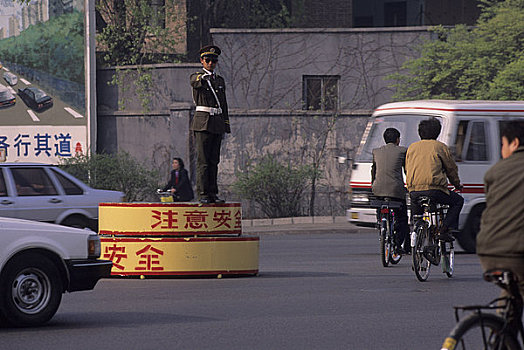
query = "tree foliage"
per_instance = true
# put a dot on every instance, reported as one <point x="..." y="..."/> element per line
<point x="136" y="32"/>
<point x="248" y="14"/>
<point x="120" y="172"/>
<point x="55" y="47"/>
<point x="484" y="62"/>
<point x="278" y="189"/>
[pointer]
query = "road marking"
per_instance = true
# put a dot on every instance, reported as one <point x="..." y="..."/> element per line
<point x="33" y="115"/>
<point x="73" y="113"/>
<point x="25" y="81"/>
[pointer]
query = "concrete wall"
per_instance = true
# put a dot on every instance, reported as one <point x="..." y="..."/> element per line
<point x="264" y="69"/>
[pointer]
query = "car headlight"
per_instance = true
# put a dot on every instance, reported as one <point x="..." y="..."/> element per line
<point x="360" y="198"/>
<point x="93" y="246"/>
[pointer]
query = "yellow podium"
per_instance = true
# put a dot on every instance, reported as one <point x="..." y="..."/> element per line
<point x="184" y="239"/>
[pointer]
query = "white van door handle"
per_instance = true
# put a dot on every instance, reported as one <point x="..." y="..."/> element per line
<point x="6" y="202"/>
<point x="55" y="200"/>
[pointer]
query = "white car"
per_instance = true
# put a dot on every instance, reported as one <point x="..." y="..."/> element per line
<point x="46" y="193"/>
<point x="11" y="78"/>
<point x="38" y="263"/>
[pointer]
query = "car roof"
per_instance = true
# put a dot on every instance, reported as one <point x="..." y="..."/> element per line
<point x="457" y="106"/>
<point x="8" y="164"/>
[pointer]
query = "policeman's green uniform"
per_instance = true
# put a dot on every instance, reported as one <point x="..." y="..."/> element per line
<point x="210" y="122"/>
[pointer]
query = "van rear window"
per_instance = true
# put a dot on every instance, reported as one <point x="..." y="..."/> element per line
<point x="406" y="124"/>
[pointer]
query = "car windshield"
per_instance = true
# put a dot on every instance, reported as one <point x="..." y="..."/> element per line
<point x="406" y="124"/>
<point x="39" y="94"/>
<point x="5" y="95"/>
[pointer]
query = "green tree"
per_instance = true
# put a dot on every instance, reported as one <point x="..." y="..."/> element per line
<point x="484" y="62"/>
<point x="278" y="189"/>
<point x="119" y="172"/>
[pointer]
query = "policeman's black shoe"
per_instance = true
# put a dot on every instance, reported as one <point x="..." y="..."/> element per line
<point x="218" y="200"/>
<point x="206" y="200"/>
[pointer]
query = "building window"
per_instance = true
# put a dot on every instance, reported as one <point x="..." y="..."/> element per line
<point x="158" y="12"/>
<point x="395" y="14"/>
<point x="321" y="92"/>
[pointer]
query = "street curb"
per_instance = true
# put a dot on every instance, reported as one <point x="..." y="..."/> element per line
<point x="298" y="225"/>
<point x="294" y="220"/>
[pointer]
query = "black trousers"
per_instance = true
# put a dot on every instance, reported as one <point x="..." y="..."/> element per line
<point x="208" y="156"/>
<point x="454" y="200"/>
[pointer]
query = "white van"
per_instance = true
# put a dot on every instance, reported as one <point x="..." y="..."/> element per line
<point x="470" y="128"/>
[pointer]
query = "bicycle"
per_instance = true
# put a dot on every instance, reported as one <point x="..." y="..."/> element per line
<point x="387" y="230"/>
<point x="486" y="330"/>
<point x="426" y="248"/>
<point x="166" y="196"/>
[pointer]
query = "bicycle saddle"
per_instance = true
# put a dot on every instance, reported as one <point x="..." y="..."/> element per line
<point x="385" y="201"/>
<point x="501" y="277"/>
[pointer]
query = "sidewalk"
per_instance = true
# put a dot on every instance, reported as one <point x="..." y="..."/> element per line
<point x="304" y="224"/>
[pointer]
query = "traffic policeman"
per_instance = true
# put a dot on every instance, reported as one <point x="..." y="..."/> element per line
<point x="209" y="124"/>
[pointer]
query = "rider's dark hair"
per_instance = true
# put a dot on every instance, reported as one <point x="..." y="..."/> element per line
<point x="180" y="162"/>
<point x="512" y="130"/>
<point x="429" y="129"/>
<point x="391" y="135"/>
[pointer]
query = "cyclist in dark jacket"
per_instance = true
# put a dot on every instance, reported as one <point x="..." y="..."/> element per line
<point x="500" y="242"/>
<point x="387" y="180"/>
<point x="179" y="183"/>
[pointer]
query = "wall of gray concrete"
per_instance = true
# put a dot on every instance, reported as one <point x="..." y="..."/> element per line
<point x="265" y="67"/>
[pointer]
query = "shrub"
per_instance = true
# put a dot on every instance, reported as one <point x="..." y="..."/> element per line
<point x="278" y="189"/>
<point x="120" y="172"/>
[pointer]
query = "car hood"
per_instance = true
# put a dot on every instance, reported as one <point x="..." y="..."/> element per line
<point x="29" y="226"/>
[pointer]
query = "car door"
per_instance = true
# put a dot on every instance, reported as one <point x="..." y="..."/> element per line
<point x="37" y="198"/>
<point x="7" y="198"/>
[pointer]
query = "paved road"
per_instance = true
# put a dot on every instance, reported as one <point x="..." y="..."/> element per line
<point x="315" y="291"/>
<point x="21" y="114"/>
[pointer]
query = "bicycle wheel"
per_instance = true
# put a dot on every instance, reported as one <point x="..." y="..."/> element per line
<point x="480" y="331"/>
<point x="421" y="265"/>
<point x="384" y="243"/>
<point x="448" y="260"/>
<point x="394" y="256"/>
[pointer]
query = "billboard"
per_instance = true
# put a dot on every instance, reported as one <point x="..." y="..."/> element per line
<point x="44" y="110"/>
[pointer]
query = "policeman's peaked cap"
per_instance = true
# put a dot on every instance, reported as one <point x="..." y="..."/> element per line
<point x="210" y="50"/>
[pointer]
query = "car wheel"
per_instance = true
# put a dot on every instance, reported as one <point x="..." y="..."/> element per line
<point x="30" y="291"/>
<point x="75" y="221"/>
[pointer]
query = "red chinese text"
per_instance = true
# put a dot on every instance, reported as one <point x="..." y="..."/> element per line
<point x="195" y="219"/>
<point x="115" y="254"/>
<point x="166" y="218"/>
<point x="149" y="259"/>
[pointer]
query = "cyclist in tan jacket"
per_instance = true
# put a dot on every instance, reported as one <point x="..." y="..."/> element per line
<point x="429" y="165"/>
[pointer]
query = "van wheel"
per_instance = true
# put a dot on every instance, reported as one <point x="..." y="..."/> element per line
<point x="468" y="237"/>
<point x="30" y="291"/>
<point x="75" y="221"/>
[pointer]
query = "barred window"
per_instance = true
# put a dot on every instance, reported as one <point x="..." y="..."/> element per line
<point x="320" y="92"/>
